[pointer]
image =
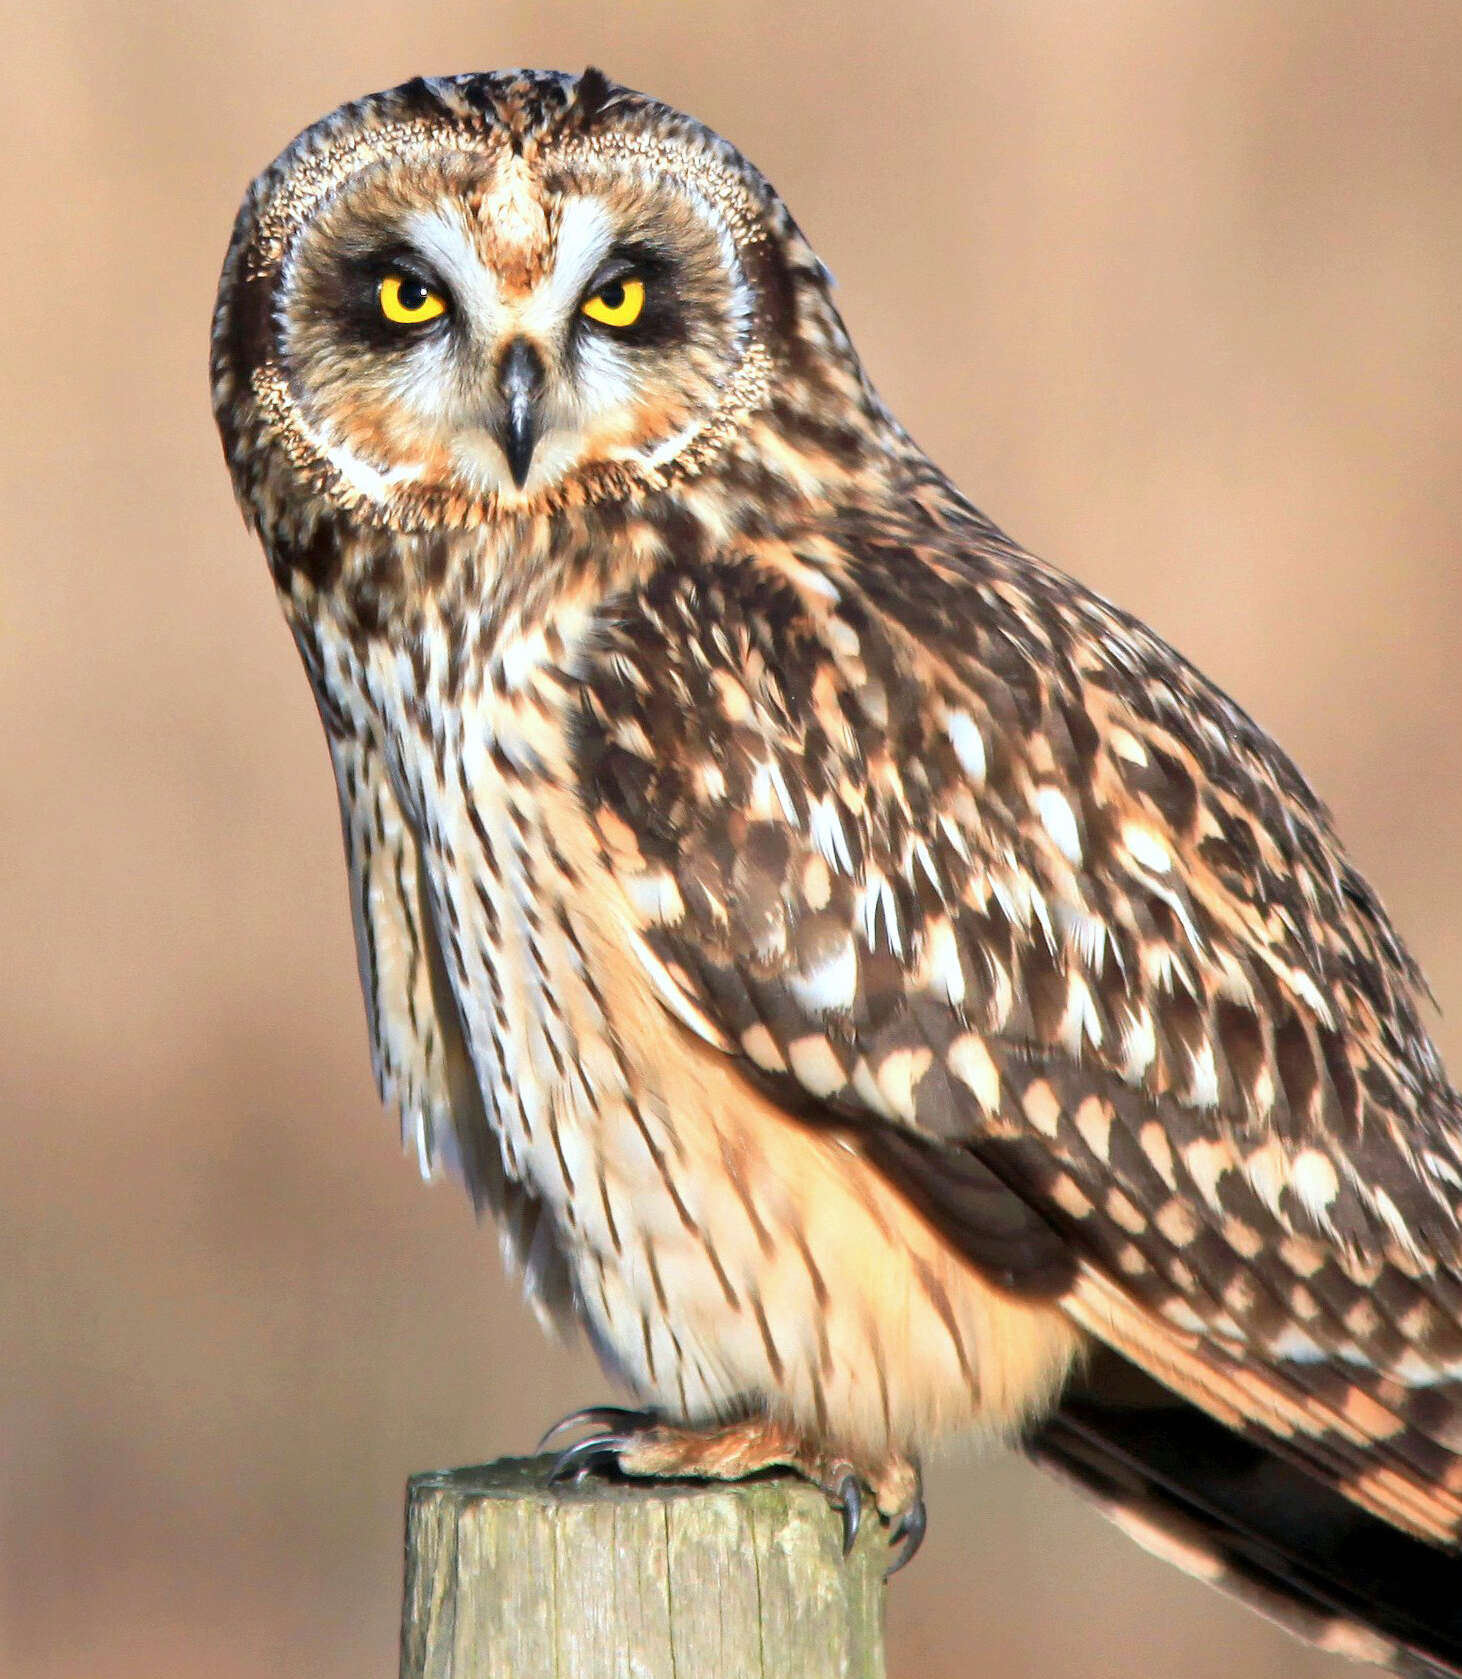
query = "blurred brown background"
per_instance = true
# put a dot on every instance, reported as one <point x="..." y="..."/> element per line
<point x="1172" y="288"/>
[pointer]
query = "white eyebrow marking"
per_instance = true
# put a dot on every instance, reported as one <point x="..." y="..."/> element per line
<point x="444" y="237"/>
<point x="585" y="238"/>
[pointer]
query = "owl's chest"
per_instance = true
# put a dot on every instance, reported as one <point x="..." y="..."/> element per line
<point x="486" y="779"/>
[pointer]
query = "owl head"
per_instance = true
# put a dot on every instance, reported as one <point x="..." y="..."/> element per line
<point x="465" y="298"/>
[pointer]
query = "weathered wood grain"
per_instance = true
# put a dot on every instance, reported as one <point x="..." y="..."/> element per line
<point x="507" y="1578"/>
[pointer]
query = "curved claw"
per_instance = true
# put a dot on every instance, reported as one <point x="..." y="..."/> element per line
<point x="908" y="1535"/>
<point x="617" y="1417"/>
<point x="850" y="1500"/>
<point x="593" y="1452"/>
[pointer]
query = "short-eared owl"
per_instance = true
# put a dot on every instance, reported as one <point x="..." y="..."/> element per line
<point x="879" y="988"/>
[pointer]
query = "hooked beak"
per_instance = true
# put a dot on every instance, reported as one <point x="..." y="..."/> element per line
<point x="520" y="379"/>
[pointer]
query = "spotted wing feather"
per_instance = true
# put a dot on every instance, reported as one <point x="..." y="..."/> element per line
<point x="957" y="856"/>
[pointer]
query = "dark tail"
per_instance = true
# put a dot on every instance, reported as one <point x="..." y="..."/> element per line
<point x="1233" y="1512"/>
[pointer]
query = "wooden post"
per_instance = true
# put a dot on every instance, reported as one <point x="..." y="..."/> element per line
<point x="509" y="1578"/>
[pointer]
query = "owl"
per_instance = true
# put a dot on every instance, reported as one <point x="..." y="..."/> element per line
<point x="879" y="989"/>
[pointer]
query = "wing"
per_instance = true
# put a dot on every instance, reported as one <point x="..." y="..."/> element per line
<point x="957" y="856"/>
<point x="1241" y="1517"/>
<point x="417" y="1046"/>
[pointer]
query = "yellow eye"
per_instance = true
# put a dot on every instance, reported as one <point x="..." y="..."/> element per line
<point x="617" y="304"/>
<point x="409" y="302"/>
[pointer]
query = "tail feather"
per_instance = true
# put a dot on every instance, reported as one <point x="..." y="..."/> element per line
<point x="1232" y="1511"/>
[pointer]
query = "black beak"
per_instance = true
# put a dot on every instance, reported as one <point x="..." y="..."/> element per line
<point x="520" y="379"/>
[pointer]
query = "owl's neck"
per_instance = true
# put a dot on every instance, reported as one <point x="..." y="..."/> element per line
<point x="791" y="474"/>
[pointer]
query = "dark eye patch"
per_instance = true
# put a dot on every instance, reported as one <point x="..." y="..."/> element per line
<point x="662" y="320"/>
<point x="354" y="297"/>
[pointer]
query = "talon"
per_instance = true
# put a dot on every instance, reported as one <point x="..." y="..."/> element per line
<point x="908" y="1535"/>
<point x="850" y="1498"/>
<point x="616" y="1417"/>
<point x="594" y="1452"/>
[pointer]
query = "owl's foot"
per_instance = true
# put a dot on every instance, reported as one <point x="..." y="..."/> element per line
<point x="642" y="1443"/>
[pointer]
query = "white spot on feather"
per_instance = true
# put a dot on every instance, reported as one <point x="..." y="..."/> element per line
<point x="1441" y="1168"/>
<point x="866" y="1085"/>
<point x="953" y="833"/>
<point x="841" y="636"/>
<point x="1087" y="933"/>
<point x="1145" y="848"/>
<point x="423" y="1147"/>
<point x="1206" y="1162"/>
<point x="674" y="997"/>
<point x="1265" y="1169"/>
<point x="784" y="797"/>
<point x="971" y="1063"/>
<point x="925" y="859"/>
<point x="1139" y="1043"/>
<point x="969" y="744"/>
<point x="1308" y="992"/>
<point x="1059" y="821"/>
<point x="832" y="984"/>
<point x="1203" y="1077"/>
<point x="826" y="828"/>
<point x="1315" y="1183"/>
<point x="814" y="1065"/>
<point x="655" y="895"/>
<point x="1094" y="1122"/>
<point x="898" y="1074"/>
<point x="1293" y="1343"/>
<point x="1126" y="745"/>
<point x="816" y="581"/>
<point x="878" y="902"/>
<point x="941" y="951"/>
<point x="1397" y="1225"/>
<point x="521" y="656"/>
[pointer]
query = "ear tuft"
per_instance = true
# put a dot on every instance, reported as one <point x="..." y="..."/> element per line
<point x="590" y="95"/>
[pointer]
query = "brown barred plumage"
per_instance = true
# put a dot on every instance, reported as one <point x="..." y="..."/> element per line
<point x="862" y="970"/>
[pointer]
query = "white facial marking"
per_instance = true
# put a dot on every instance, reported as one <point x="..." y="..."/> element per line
<point x="444" y="237"/>
<point x="585" y="238"/>
<point x="368" y="480"/>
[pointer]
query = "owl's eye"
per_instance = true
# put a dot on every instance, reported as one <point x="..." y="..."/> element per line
<point x="407" y="301"/>
<point x="617" y="304"/>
